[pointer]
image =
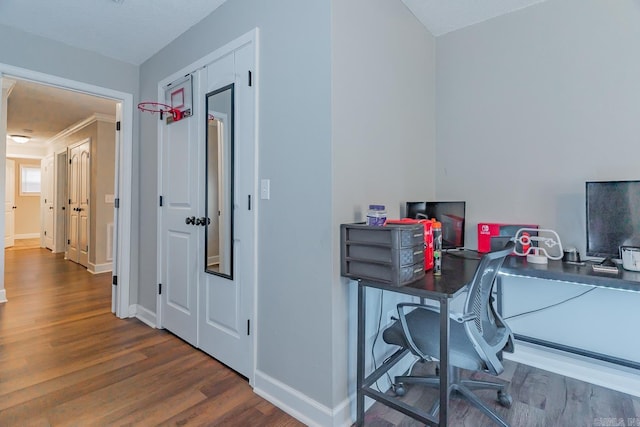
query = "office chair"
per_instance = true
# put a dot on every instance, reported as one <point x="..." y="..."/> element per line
<point x="477" y="338"/>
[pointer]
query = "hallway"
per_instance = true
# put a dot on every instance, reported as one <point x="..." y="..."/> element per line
<point x="65" y="359"/>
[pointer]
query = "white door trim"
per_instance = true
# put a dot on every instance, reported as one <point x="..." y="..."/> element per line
<point x="124" y="164"/>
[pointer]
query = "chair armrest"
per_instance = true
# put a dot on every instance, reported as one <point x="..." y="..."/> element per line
<point x="458" y="317"/>
<point x="462" y="317"/>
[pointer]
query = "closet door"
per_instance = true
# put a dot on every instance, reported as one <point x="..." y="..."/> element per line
<point x="78" y="213"/>
<point x="207" y="263"/>
<point x="227" y="289"/>
<point x="181" y="192"/>
<point x="9" y="204"/>
<point x="48" y="232"/>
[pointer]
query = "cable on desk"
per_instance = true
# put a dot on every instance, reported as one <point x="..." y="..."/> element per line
<point x="549" y="306"/>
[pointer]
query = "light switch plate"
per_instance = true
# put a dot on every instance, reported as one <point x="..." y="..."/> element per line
<point x="265" y="189"/>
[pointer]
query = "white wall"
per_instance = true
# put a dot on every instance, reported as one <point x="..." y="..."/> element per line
<point x="531" y="105"/>
<point x="383" y="141"/>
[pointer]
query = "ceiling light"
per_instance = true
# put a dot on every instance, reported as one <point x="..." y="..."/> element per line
<point x="20" y="139"/>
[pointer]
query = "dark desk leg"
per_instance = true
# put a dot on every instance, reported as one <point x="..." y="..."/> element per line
<point x="360" y="356"/>
<point x="499" y="295"/>
<point x="444" y="361"/>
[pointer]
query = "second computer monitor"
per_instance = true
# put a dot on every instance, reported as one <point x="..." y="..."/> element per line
<point x="450" y="214"/>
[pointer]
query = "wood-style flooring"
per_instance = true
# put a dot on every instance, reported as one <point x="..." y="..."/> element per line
<point x="66" y="360"/>
<point x="540" y="399"/>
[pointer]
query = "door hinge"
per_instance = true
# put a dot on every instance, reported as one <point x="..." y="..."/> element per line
<point x="116" y="202"/>
<point x="69" y="161"/>
<point x="117" y="125"/>
<point x="250" y="78"/>
<point x="68" y="241"/>
<point x="69" y="201"/>
<point x="114" y="280"/>
<point x="249" y="202"/>
<point x="45" y="233"/>
<point x="159" y="288"/>
<point x="248" y="326"/>
<point x="160" y="200"/>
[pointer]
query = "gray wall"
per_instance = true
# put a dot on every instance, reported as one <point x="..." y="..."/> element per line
<point x="383" y="139"/>
<point x="31" y="52"/>
<point x="533" y="104"/>
<point x="36" y="53"/>
<point x="294" y="243"/>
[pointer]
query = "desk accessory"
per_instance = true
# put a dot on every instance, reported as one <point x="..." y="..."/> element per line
<point x="571" y="255"/>
<point x="493" y="236"/>
<point x="630" y="257"/>
<point x="599" y="268"/>
<point x="393" y="254"/>
<point x="538" y="248"/>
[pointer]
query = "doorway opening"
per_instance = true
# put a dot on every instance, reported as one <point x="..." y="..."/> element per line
<point x="119" y="243"/>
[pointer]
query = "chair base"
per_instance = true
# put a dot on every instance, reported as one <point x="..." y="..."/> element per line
<point x="463" y="387"/>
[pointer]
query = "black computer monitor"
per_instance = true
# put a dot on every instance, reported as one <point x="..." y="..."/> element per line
<point x="613" y="216"/>
<point x="450" y="214"/>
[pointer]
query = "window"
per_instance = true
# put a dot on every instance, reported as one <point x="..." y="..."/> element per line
<point x="29" y="180"/>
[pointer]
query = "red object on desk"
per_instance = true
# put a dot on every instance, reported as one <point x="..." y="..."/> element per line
<point x="428" y="237"/>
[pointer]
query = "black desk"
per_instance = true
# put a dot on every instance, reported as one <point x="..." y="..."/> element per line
<point x="456" y="274"/>
<point x="571" y="273"/>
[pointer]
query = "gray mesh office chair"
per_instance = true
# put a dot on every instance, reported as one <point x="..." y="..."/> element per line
<point x="477" y="338"/>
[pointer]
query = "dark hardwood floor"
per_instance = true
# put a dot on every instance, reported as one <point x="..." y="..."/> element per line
<point x="540" y="399"/>
<point x="65" y="359"/>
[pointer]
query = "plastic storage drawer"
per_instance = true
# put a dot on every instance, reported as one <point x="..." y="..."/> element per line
<point x="392" y="254"/>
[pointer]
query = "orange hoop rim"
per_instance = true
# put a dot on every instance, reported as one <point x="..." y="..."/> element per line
<point x="159" y="107"/>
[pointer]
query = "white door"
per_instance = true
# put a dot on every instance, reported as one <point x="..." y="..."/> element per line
<point x="10" y="204"/>
<point x="47" y="196"/>
<point x="78" y="209"/>
<point x="61" y="201"/>
<point x="226" y="304"/>
<point x="180" y="190"/>
<point x="210" y="311"/>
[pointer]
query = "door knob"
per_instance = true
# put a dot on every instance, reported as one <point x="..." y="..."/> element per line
<point x="203" y="221"/>
<point x="190" y="220"/>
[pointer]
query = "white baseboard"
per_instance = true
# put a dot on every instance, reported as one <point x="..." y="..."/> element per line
<point x="142" y="314"/>
<point x="100" y="268"/>
<point x="609" y="375"/>
<point x="27" y="236"/>
<point x="298" y="405"/>
<point x="3" y="296"/>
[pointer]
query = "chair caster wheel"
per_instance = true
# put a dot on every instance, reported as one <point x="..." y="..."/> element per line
<point x="504" y="399"/>
<point x="399" y="390"/>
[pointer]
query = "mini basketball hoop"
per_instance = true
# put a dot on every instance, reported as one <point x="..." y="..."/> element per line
<point x="158" y="107"/>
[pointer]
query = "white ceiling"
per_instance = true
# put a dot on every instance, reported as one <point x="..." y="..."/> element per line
<point x="443" y="16"/>
<point x="41" y="112"/>
<point x="129" y="30"/>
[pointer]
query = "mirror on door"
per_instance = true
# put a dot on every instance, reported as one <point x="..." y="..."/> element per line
<point x="219" y="215"/>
